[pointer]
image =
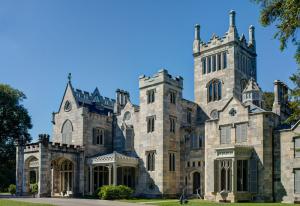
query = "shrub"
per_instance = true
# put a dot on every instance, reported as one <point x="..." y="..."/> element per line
<point x="110" y="192"/>
<point x="34" y="188"/>
<point x="12" y="189"/>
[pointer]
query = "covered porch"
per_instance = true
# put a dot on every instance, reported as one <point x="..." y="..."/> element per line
<point x="235" y="173"/>
<point x="112" y="169"/>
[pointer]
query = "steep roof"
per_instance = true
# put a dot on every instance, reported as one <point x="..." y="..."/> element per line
<point x="252" y="86"/>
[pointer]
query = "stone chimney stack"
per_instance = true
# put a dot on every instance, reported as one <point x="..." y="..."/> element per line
<point x="252" y="35"/>
<point x="280" y="105"/>
<point x="196" y="44"/>
<point x="122" y="97"/>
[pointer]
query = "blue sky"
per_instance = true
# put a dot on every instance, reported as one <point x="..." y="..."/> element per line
<point x="110" y="43"/>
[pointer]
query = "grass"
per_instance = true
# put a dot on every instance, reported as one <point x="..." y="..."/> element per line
<point x="19" y="203"/>
<point x="174" y="202"/>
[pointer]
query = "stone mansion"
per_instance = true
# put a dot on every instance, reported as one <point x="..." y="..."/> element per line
<point x="224" y="140"/>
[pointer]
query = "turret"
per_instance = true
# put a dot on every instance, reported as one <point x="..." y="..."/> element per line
<point x="252" y="94"/>
<point x="196" y="43"/>
<point x="251" y="36"/>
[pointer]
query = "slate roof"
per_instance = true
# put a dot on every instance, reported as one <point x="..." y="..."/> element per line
<point x="94" y="101"/>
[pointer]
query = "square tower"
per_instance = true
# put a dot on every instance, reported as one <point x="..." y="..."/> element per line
<point x="222" y="66"/>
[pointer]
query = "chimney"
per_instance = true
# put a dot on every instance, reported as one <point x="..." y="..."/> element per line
<point x="252" y="36"/>
<point x="122" y="97"/>
<point x="280" y="105"/>
<point x="232" y="32"/>
<point x="196" y="43"/>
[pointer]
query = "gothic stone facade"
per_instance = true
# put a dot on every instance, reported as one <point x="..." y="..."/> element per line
<point x="222" y="144"/>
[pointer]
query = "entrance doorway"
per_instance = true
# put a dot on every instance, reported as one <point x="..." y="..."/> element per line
<point x="196" y="183"/>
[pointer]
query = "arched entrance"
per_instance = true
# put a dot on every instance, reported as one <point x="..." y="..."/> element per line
<point x="31" y="171"/>
<point x="196" y="183"/>
<point x="66" y="177"/>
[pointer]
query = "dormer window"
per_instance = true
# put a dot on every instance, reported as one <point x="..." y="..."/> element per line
<point x="214" y="92"/>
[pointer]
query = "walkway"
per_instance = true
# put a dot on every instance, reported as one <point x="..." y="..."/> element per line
<point x="74" y="202"/>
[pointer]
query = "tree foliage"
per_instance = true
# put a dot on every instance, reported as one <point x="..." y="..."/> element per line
<point x="14" y="125"/>
<point x="294" y="104"/>
<point x="268" y="99"/>
<point x="285" y="14"/>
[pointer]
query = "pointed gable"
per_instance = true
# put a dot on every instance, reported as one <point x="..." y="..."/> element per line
<point x="234" y="111"/>
<point x="69" y="96"/>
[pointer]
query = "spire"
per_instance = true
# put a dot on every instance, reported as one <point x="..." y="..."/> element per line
<point x="196" y="44"/>
<point x="251" y="35"/>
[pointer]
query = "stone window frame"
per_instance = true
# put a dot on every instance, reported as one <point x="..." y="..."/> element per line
<point x="296" y="148"/>
<point x="172" y="95"/>
<point x="295" y="181"/>
<point x="189" y="115"/>
<point x="243" y="166"/>
<point x="245" y="139"/>
<point x="98" y="140"/>
<point x="151" y="96"/>
<point x="172" y="124"/>
<point x="172" y="161"/>
<point x="150" y="123"/>
<point x="220" y="129"/>
<point x="203" y="62"/>
<point x="150" y="160"/>
<point x="214" y="90"/>
<point x="224" y="60"/>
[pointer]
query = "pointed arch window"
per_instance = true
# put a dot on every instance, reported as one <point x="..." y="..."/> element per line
<point x="214" y="90"/>
<point x="66" y="132"/>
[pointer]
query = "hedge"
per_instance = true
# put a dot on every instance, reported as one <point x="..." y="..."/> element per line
<point x="111" y="192"/>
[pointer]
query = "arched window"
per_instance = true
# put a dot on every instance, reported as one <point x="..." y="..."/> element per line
<point x="214" y="92"/>
<point x="66" y="132"/>
<point x="243" y="84"/>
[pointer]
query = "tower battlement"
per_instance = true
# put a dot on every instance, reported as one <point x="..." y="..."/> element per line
<point x="162" y="76"/>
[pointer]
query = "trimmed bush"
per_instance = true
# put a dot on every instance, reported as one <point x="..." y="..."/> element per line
<point x="12" y="189"/>
<point x="110" y="192"/>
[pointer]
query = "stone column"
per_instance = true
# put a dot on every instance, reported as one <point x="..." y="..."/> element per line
<point x="52" y="181"/>
<point x="109" y="175"/>
<point x="91" y="179"/>
<point x="233" y="176"/>
<point x="114" y="173"/>
<point x="19" y="169"/>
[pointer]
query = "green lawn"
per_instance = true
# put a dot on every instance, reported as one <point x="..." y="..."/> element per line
<point x="19" y="203"/>
<point x="172" y="202"/>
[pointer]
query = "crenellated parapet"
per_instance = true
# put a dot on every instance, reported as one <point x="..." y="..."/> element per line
<point x="230" y="37"/>
<point x="162" y="76"/>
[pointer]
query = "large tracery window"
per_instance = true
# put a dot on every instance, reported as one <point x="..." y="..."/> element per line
<point x="225" y="175"/>
<point x="214" y="90"/>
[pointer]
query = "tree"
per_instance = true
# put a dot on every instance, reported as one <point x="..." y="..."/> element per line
<point x="14" y="125"/>
<point x="294" y="104"/>
<point x="268" y="99"/>
<point x="286" y="15"/>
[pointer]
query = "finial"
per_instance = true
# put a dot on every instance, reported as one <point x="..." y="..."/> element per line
<point x="197" y="32"/>
<point x="69" y="77"/>
<point x="232" y="18"/>
<point x="251" y="35"/>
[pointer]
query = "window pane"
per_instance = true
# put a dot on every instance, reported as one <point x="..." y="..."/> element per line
<point x="297" y="181"/>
